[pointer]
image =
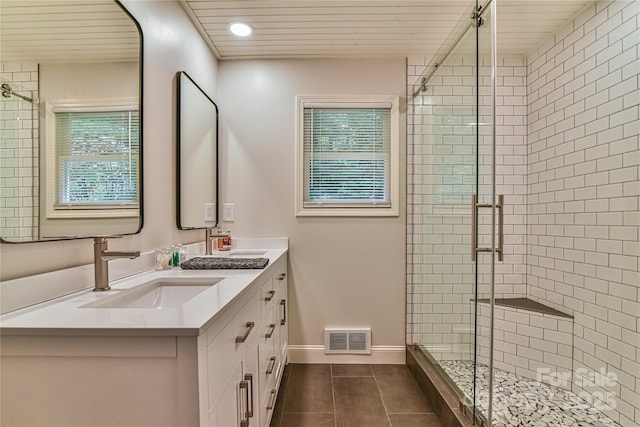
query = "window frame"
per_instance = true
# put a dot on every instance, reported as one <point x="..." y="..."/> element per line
<point x="350" y="209"/>
<point x="110" y="210"/>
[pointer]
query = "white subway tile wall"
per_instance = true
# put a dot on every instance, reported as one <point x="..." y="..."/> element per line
<point x="568" y="154"/>
<point x="19" y="154"/>
<point x="583" y="199"/>
<point x="441" y="179"/>
<point x="533" y="345"/>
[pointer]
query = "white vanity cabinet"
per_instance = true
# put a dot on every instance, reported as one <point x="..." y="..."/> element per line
<point x="273" y="338"/>
<point x="245" y="360"/>
<point x="281" y="284"/>
<point x="267" y="350"/>
<point x="224" y="373"/>
<point x="229" y="369"/>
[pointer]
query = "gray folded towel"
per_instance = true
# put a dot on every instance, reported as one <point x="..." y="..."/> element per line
<point x="202" y="263"/>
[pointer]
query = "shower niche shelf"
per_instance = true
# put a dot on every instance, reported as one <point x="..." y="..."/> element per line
<point x="526" y="304"/>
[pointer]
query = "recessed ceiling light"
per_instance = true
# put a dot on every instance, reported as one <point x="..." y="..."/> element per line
<point x="240" y="29"/>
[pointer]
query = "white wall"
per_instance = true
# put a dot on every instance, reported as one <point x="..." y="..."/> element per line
<point x="171" y="44"/>
<point x="344" y="272"/>
<point x="584" y="194"/>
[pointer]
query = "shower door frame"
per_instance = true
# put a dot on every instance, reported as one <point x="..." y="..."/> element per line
<point x="496" y="206"/>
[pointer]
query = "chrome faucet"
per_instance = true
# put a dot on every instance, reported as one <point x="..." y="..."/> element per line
<point x="101" y="256"/>
<point x="209" y="236"/>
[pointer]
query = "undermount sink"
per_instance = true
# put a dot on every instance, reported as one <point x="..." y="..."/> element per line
<point x="157" y="294"/>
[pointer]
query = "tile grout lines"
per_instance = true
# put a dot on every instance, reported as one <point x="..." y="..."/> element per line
<point x="333" y="396"/>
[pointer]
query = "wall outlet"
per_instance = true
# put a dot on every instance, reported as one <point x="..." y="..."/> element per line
<point x="228" y="212"/>
<point x="209" y="211"/>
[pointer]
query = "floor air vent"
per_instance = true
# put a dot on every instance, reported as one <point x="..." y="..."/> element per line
<point x="347" y="341"/>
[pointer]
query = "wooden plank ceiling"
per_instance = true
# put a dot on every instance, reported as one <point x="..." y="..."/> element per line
<point x="363" y="28"/>
<point x="69" y="31"/>
<point x="94" y="30"/>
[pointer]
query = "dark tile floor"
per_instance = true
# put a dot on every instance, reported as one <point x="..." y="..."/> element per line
<point x="351" y="395"/>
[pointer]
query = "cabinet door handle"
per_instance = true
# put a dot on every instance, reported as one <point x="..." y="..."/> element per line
<point x="270" y="297"/>
<point x="272" y="364"/>
<point x="282" y="276"/>
<point x="242" y="338"/>
<point x="249" y="377"/>
<point x="244" y="420"/>
<point x="283" y="303"/>
<point x="270" y="333"/>
<point x="272" y="399"/>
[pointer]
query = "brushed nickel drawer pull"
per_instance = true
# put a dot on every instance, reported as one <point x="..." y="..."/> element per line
<point x="243" y="338"/>
<point x="283" y="303"/>
<point x="249" y="377"/>
<point x="271" y="295"/>
<point x="270" y="333"/>
<point x="272" y="399"/>
<point x="272" y="364"/>
<point x="244" y="421"/>
<point x="282" y="276"/>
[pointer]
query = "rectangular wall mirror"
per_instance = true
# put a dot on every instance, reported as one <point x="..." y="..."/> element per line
<point x="70" y="120"/>
<point x="197" y="127"/>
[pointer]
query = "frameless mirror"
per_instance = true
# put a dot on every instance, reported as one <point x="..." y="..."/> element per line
<point x="70" y="120"/>
<point x="197" y="117"/>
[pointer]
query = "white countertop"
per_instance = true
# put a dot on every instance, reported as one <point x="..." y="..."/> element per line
<point x="66" y="316"/>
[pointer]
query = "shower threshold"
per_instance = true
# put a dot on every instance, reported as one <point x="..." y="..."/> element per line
<point x="520" y="401"/>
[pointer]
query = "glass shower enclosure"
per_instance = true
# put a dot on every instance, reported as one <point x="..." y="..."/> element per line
<point x="522" y="222"/>
<point x="456" y="217"/>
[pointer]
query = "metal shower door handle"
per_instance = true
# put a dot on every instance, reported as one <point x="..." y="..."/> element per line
<point x="474" y="227"/>
<point x="500" y="207"/>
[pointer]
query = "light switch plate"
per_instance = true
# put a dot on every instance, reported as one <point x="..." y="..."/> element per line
<point x="228" y="212"/>
<point x="209" y="211"/>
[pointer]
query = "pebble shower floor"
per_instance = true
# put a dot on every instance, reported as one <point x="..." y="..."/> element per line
<point x="520" y="401"/>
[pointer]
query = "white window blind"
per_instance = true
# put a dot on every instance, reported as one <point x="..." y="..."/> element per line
<point x="96" y="159"/>
<point x="346" y="156"/>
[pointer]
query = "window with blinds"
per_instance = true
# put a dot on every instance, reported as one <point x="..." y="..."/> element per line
<point x="96" y="159"/>
<point x="347" y="155"/>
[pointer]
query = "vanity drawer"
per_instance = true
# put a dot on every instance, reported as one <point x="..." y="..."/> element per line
<point x="269" y="344"/>
<point x="269" y="367"/>
<point x="228" y="348"/>
<point x="280" y="276"/>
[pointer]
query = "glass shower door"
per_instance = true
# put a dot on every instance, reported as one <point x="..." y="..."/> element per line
<point x="452" y="169"/>
<point x="487" y="211"/>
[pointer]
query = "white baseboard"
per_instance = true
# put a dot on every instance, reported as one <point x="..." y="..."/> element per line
<point x="383" y="354"/>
